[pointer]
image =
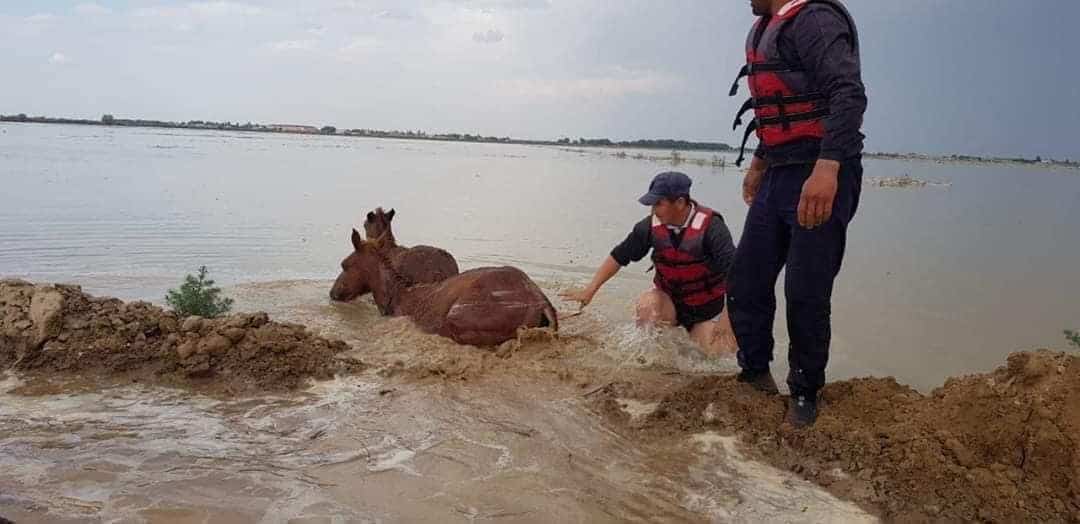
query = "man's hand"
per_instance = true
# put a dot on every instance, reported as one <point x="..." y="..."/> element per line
<point x="750" y="185"/>
<point x="584" y="295"/>
<point x="752" y="180"/>
<point x="818" y="193"/>
<point x="581" y="296"/>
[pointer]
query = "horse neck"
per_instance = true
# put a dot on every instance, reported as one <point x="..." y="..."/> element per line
<point x="395" y="285"/>
<point x="409" y="300"/>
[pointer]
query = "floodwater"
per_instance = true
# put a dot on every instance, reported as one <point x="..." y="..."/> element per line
<point x="938" y="281"/>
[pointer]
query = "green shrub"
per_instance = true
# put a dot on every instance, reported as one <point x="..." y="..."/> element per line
<point x="198" y="296"/>
<point x="1073" y="337"/>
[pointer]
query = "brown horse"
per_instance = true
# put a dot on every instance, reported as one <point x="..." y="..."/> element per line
<point x="421" y="264"/>
<point x="481" y="307"/>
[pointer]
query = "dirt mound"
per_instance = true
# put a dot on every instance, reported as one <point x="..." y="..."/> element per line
<point x="1001" y="447"/>
<point x="47" y="329"/>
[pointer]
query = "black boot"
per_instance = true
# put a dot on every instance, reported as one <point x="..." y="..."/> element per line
<point x="802" y="410"/>
<point x="760" y="380"/>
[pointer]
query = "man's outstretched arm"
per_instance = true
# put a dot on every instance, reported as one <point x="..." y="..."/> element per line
<point x="636" y="245"/>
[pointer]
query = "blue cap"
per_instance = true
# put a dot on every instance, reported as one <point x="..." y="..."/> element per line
<point x="669" y="184"/>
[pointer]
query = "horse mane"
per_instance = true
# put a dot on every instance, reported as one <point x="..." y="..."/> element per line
<point x="386" y="264"/>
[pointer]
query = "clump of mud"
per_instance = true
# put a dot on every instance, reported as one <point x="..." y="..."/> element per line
<point x="1002" y="447"/>
<point x="48" y="329"/>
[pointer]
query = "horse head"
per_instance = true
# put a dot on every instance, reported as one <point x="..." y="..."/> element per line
<point x="359" y="271"/>
<point x="377" y="224"/>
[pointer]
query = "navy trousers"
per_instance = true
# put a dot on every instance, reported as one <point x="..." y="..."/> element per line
<point x="773" y="239"/>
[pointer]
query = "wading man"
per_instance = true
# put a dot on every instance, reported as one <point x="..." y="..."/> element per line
<point x="691" y="254"/>
<point x="806" y="92"/>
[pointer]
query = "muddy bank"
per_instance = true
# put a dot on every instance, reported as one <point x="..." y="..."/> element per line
<point x="46" y="329"/>
<point x="1003" y="446"/>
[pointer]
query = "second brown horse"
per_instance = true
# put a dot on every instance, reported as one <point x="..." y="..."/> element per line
<point x="481" y="307"/>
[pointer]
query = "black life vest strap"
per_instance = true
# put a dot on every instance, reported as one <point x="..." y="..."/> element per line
<point x="744" y="71"/>
<point x="763" y="101"/>
<point x="776" y="100"/>
<point x="673" y="263"/>
<point x="771" y="67"/>
<point x="746" y="136"/>
<point x="761" y="67"/>
<point x="697" y="285"/>
<point x="748" y="105"/>
<point x="781" y="111"/>
<point x="785" y="119"/>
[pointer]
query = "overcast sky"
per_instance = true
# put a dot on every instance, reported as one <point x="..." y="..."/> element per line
<point x="970" y="76"/>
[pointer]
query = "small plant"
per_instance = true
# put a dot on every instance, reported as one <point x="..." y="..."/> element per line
<point x="198" y="296"/>
<point x="1073" y="337"/>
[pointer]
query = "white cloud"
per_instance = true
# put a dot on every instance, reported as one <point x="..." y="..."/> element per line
<point x="223" y="8"/>
<point x="201" y="10"/>
<point x="285" y="46"/>
<point x="358" y="47"/>
<point x="40" y="17"/>
<point x="491" y="36"/>
<point x="494" y="5"/>
<point x="158" y="12"/>
<point x="396" y="14"/>
<point x="59" y="58"/>
<point x="195" y="16"/>
<point x="620" y="83"/>
<point x="90" y="8"/>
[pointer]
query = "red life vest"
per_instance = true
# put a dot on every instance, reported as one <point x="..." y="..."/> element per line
<point x="786" y="106"/>
<point x="681" y="271"/>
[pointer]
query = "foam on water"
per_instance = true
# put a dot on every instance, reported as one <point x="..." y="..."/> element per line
<point x="362" y="450"/>
<point x="125" y="450"/>
<point x="765" y="494"/>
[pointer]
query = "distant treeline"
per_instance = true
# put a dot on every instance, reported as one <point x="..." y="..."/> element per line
<point x="110" y="120"/>
<point x="649" y="144"/>
<point x="663" y="144"/>
<point x="973" y="158"/>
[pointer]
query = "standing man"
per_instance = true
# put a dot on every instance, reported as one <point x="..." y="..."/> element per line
<point x="803" y="184"/>
<point x="691" y="254"/>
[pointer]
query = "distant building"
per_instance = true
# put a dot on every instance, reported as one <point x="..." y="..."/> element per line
<point x="289" y="128"/>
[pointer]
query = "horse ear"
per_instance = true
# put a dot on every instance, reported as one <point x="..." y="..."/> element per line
<point x="390" y="215"/>
<point x="357" y="242"/>
<point x="371" y="216"/>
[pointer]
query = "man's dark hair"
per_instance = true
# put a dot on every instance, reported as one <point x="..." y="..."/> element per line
<point x="676" y="199"/>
